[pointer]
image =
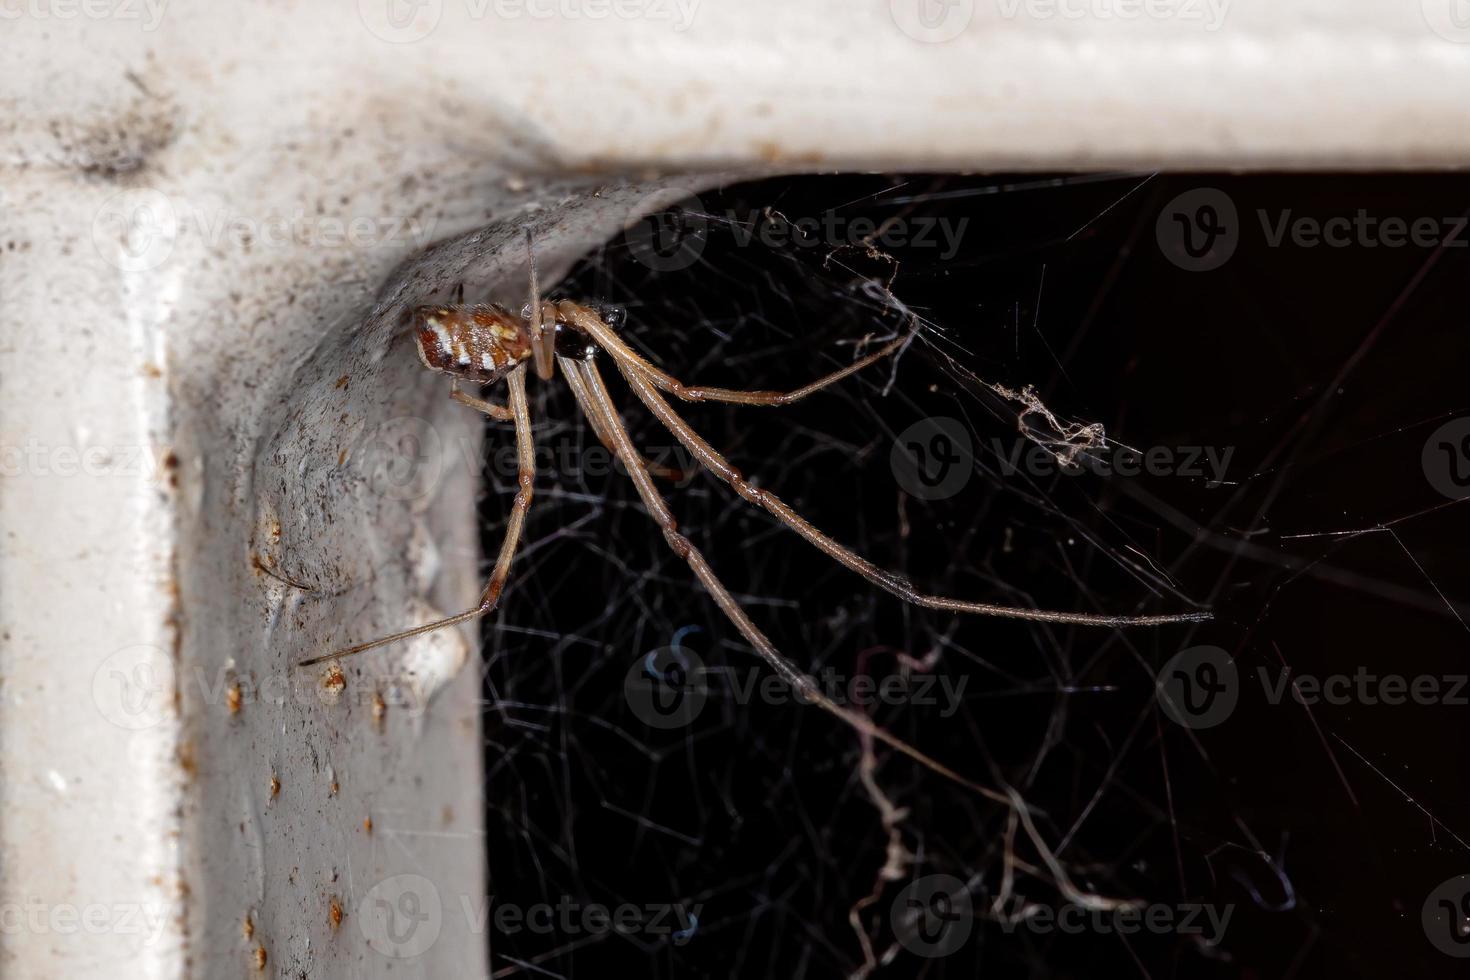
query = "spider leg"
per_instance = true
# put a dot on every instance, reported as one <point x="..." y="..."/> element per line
<point x="657" y="469"/>
<point x="543" y="340"/>
<point x="643" y="387"/>
<point x="526" y="471"/>
<point x="583" y="318"/>
<point x="502" y="414"/>
<point x="592" y="396"/>
<point x="497" y="412"/>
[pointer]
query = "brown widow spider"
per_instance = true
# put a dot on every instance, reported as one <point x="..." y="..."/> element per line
<point x="486" y="344"/>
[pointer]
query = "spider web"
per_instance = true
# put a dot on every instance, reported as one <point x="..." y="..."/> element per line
<point x="1054" y="321"/>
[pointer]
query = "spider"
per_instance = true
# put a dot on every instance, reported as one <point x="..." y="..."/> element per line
<point x="487" y="344"/>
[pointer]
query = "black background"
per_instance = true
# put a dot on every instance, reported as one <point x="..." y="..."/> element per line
<point x="1326" y="369"/>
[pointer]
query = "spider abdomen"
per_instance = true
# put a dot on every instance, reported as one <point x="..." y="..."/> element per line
<point x="477" y="343"/>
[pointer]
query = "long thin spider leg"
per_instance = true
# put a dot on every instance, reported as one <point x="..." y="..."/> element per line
<point x="526" y="472"/>
<point x="543" y="341"/>
<point x="643" y="387"/>
<point x="622" y="353"/>
<point x="592" y="395"/>
<point x="497" y="412"/>
<point x="658" y="470"/>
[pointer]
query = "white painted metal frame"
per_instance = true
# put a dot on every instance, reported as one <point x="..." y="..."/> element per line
<point x="212" y="218"/>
